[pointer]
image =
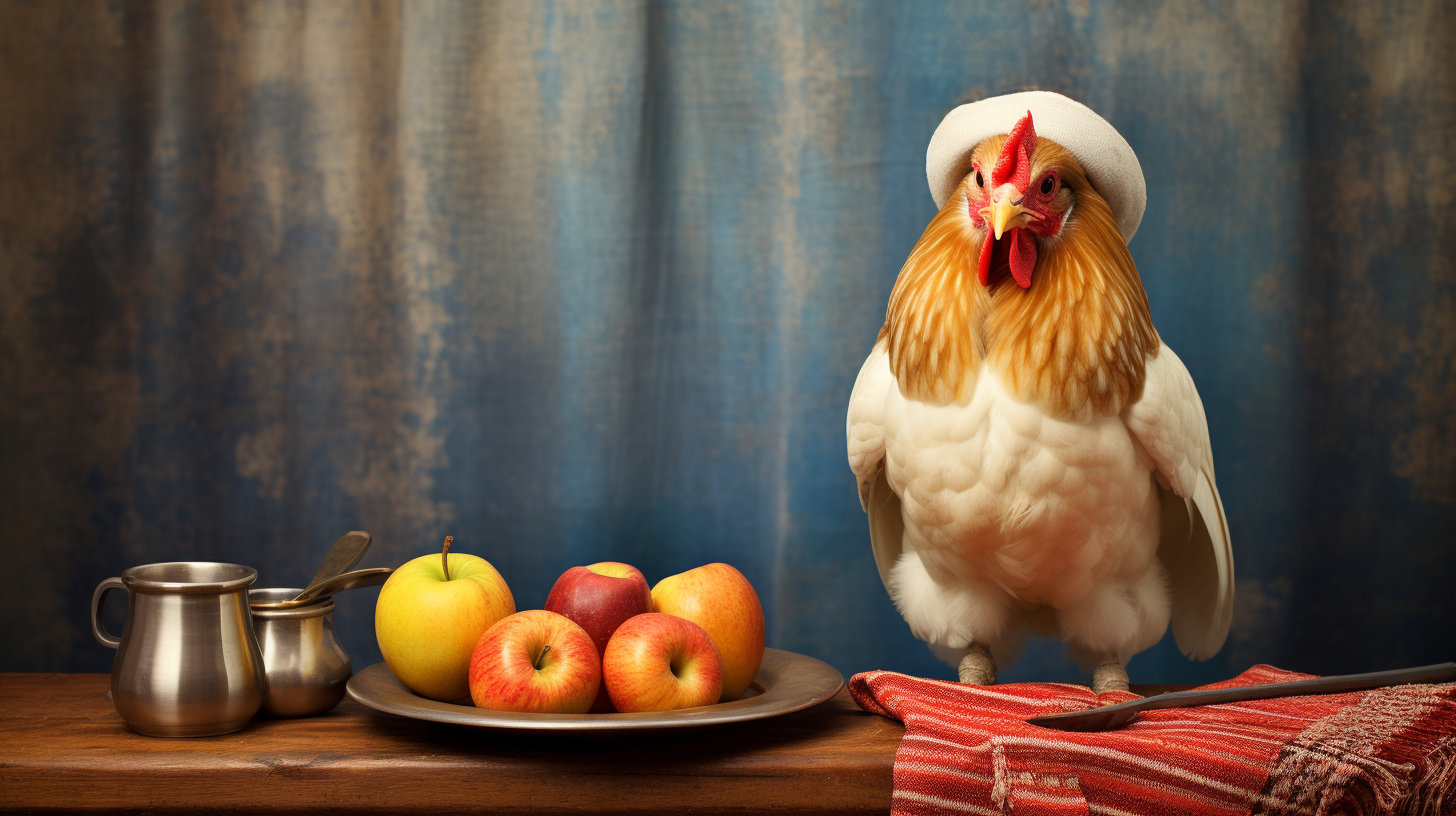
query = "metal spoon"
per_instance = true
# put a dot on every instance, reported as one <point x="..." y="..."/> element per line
<point x="345" y="553"/>
<point x="1106" y="718"/>
<point x="349" y="580"/>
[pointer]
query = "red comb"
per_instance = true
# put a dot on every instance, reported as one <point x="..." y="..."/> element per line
<point x="1014" y="163"/>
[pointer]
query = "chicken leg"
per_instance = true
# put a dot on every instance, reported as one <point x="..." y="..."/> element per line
<point x="978" y="666"/>
<point x="1108" y="676"/>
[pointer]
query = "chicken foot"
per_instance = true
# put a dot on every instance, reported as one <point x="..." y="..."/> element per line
<point x="978" y="666"/>
<point x="1108" y="676"/>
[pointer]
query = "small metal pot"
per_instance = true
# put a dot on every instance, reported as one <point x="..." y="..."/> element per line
<point x="305" y="666"/>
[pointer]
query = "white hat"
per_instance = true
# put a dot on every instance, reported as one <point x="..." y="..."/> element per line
<point x="1111" y="165"/>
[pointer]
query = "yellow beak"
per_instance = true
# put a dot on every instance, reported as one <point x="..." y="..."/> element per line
<point x="1001" y="214"/>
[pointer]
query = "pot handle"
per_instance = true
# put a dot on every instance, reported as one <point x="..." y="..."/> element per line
<point x="97" y="627"/>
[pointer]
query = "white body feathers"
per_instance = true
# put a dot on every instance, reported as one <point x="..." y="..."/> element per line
<point x="991" y="519"/>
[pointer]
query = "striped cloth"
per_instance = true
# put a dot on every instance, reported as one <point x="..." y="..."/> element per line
<point x="967" y="749"/>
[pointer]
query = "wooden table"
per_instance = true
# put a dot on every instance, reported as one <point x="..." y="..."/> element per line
<point x="63" y="747"/>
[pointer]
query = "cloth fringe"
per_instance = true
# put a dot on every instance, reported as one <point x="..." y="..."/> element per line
<point x="1434" y="792"/>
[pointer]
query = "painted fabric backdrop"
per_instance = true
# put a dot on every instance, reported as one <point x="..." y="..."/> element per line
<point x="587" y="281"/>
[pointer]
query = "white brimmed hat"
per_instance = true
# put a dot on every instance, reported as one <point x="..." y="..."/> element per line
<point x="1111" y="165"/>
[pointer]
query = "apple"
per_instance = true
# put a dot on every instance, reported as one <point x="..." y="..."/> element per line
<point x="658" y="662"/>
<point x="718" y="598"/>
<point x="535" y="661"/>
<point x="429" y="615"/>
<point x="598" y="598"/>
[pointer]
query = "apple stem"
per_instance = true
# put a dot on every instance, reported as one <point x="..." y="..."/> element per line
<point x="445" y="555"/>
<point x="540" y="657"/>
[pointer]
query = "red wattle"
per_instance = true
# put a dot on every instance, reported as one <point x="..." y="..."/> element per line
<point x="1022" y="256"/>
<point x="985" y="260"/>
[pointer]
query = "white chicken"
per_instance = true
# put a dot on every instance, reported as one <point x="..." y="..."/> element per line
<point x="1032" y="457"/>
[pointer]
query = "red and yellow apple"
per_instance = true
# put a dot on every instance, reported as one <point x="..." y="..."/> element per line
<point x="658" y="662"/>
<point x="535" y="661"/>
<point x="429" y="616"/>
<point x="598" y="598"/>
<point x="718" y="598"/>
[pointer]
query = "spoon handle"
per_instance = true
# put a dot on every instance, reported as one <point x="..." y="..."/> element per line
<point x="1436" y="673"/>
<point x="374" y="576"/>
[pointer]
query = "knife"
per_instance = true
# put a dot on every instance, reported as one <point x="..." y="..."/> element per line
<point x="1106" y="718"/>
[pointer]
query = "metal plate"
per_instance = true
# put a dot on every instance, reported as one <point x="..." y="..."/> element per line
<point x="786" y="682"/>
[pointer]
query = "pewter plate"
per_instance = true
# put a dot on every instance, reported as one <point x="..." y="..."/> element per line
<point x="786" y="682"/>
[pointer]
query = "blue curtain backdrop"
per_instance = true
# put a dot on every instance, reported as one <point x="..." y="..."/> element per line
<point x="586" y="281"/>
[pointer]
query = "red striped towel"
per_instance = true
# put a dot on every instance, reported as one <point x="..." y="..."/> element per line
<point x="967" y="749"/>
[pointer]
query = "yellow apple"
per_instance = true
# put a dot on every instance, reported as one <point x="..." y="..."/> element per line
<point x="430" y="615"/>
<point x="718" y="598"/>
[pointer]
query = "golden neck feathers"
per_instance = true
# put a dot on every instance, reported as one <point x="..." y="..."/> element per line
<point x="1075" y="342"/>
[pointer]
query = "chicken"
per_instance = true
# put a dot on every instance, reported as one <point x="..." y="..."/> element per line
<point x="1033" y="459"/>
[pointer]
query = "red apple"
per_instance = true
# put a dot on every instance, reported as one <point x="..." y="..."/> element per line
<point x="599" y="598"/>
<point x="718" y="598"/>
<point x="535" y="661"/>
<point x="658" y="662"/>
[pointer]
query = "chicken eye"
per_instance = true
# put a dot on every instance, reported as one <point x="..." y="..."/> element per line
<point x="1047" y="185"/>
<point x="980" y="182"/>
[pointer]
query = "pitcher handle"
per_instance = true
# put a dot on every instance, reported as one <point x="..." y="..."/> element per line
<point x="97" y="627"/>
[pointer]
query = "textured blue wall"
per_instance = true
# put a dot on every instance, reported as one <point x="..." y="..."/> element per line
<point x="579" y="281"/>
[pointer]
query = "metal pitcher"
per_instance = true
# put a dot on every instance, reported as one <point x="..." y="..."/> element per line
<point x="187" y="662"/>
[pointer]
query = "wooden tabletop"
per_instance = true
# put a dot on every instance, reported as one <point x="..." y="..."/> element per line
<point x="64" y="747"/>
